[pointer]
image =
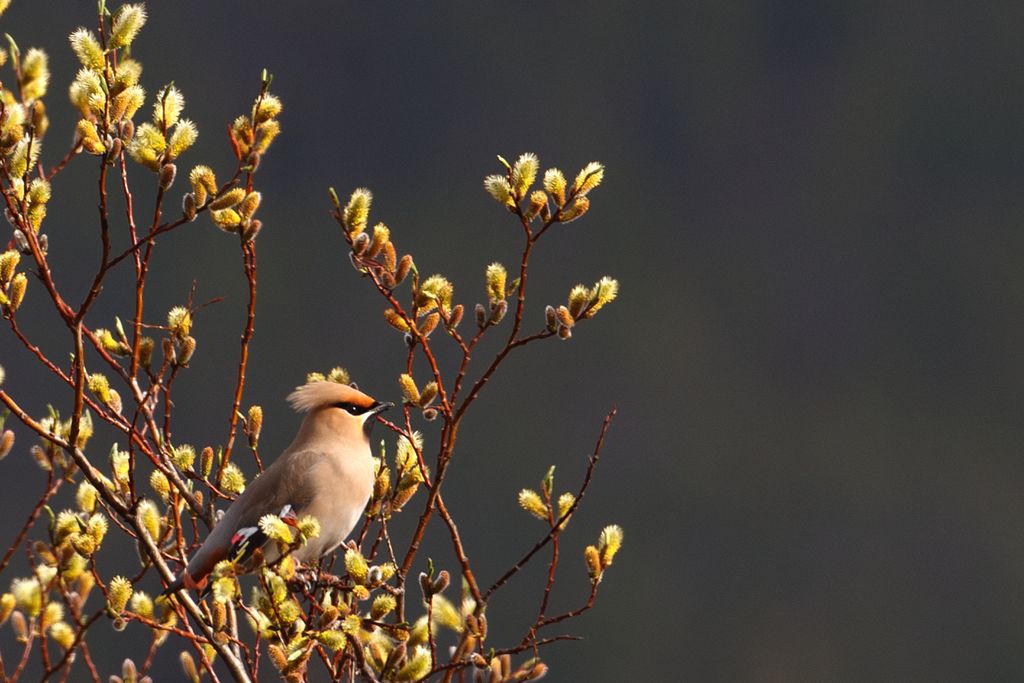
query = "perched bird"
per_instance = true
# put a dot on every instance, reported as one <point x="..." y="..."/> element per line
<point x="326" y="472"/>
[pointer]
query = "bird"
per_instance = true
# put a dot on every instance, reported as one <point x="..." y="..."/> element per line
<point x="327" y="472"/>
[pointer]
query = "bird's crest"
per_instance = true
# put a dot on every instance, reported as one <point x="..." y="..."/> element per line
<point x="316" y="394"/>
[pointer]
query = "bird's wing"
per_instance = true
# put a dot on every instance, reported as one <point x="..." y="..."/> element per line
<point x="284" y="484"/>
<point x="246" y="540"/>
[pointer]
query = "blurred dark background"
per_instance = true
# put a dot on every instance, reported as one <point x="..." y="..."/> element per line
<point x="814" y="210"/>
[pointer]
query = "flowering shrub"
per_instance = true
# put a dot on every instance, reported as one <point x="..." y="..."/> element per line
<point x="384" y="617"/>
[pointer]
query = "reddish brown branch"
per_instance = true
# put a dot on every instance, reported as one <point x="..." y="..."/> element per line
<point x="51" y="488"/>
<point x="592" y="463"/>
<point x="249" y="260"/>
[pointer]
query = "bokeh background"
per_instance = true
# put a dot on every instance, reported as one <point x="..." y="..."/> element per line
<point x="814" y="209"/>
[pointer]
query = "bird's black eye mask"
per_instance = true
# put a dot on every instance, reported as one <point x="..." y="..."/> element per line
<point x="370" y="410"/>
<point x="351" y="408"/>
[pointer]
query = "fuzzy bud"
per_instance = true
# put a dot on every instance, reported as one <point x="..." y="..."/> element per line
<point x="434" y="292"/>
<point x="589" y="178"/>
<point x="142" y="604"/>
<point x="496" y="279"/>
<point x="579" y="297"/>
<point x="85" y="497"/>
<point x="97" y="527"/>
<point x="158" y="482"/>
<point x="227" y="220"/>
<point x="118" y="592"/>
<point x="116" y="147"/>
<point x="87" y="48"/>
<point x="440" y="583"/>
<point x="382" y="482"/>
<point x="115" y="401"/>
<point x="403" y="268"/>
<point x="550" y="318"/>
<point x="99" y="385"/>
<point x="275" y="528"/>
<point x="357" y="211"/>
<point x="382" y="605"/>
<point x="167" y="174"/>
<point x="247" y="207"/>
<point x="126" y="103"/>
<point x="417" y="666"/>
<point x="62" y="634"/>
<point x="498" y="187"/>
<point x="425" y="585"/>
<point x="608" y="543"/>
<point x="233" y="480"/>
<point x="429" y="323"/>
<point x="28" y="595"/>
<point x="605" y="290"/>
<point x="184" y="136"/>
<point x="6" y="443"/>
<point x="250" y="231"/>
<point x="9" y="261"/>
<point x="565" y="503"/>
<point x="168" y="107"/>
<point x="127" y="131"/>
<point x="538" y="205"/>
<point x="188" y="206"/>
<point x="498" y="312"/>
<point x="356" y="566"/>
<point x="228" y="200"/>
<point x="16" y="292"/>
<point x="149" y="515"/>
<point x="254" y="424"/>
<point x="20" y="627"/>
<point x="188" y="347"/>
<point x="428" y="394"/>
<point x="396" y="321"/>
<point x="554" y="183"/>
<point x="188" y="665"/>
<point x="531" y="501"/>
<point x="266" y="108"/>
<point x="381" y="236"/>
<point x="183" y="456"/>
<point x="308" y="527"/>
<point x="128" y="21"/>
<point x="179" y="320"/>
<point x="524" y="172"/>
<point x="7" y="604"/>
<point x="456" y="317"/>
<point x="593" y="561"/>
<point x="206" y="461"/>
<point x="579" y="207"/>
<point x="409" y="390"/>
<point x="146" y="351"/>
<point x="35" y="74"/>
<point x="536" y="672"/>
<point x="389" y="257"/>
<point x="204" y="183"/>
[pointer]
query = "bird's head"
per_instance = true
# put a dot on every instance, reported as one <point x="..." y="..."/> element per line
<point x="343" y="408"/>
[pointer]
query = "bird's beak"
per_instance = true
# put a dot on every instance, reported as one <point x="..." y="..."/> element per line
<point x="380" y="407"/>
